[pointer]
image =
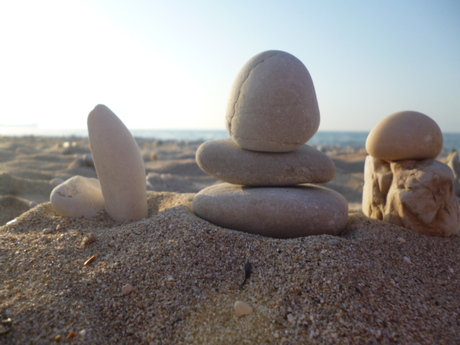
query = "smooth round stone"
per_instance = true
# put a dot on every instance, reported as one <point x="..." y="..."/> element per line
<point x="405" y="135"/>
<point x="281" y="212"/>
<point x="272" y="105"/>
<point x="78" y="197"/>
<point x="225" y="160"/>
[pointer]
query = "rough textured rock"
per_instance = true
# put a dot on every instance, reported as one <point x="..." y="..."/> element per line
<point x="78" y="197"/>
<point x="273" y="106"/>
<point x="453" y="161"/>
<point x="281" y="212"/>
<point x="225" y="160"/>
<point x="119" y="165"/>
<point x="405" y="135"/>
<point x="421" y="195"/>
<point x="377" y="181"/>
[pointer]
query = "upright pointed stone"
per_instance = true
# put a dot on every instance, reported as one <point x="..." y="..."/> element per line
<point x="119" y="165"/>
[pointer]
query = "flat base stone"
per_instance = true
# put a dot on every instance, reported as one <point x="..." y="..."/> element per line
<point x="281" y="212"/>
<point x="226" y="160"/>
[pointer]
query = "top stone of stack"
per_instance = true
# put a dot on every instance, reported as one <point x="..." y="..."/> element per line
<point x="273" y="106"/>
<point x="405" y="135"/>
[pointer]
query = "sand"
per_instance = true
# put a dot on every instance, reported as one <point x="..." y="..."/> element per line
<point x="375" y="283"/>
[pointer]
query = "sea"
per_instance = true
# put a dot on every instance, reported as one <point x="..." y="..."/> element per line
<point x="321" y="138"/>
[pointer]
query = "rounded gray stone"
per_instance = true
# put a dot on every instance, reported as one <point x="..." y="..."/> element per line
<point x="272" y="105"/>
<point x="227" y="161"/>
<point x="282" y="212"/>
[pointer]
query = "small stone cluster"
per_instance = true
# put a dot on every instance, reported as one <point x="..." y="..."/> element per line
<point x="403" y="183"/>
<point x="272" y="112"/>
<point x="120" y="187"/>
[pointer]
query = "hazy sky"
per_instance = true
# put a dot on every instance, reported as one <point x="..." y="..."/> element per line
<point x="171" y="64"/>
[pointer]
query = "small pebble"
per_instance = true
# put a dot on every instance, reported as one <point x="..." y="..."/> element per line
<point x="12" y="221"/>
<point x="90" y="260"/>
<point x="48" y="231"/>
<point x="407" y="260"/>
<point x="401" y="240"/>
<point x="242" y="308"/>
<point x="71" y="335"/>
<point x="127" y="289"/>
<point x="88" y="239"/>
<point x="82" y="333"/>
<point x="57" y="338"/>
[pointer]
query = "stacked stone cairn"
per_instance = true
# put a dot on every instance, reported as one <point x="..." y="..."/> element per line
<point x="403" y="183"/>
<point x="272" y="112"/>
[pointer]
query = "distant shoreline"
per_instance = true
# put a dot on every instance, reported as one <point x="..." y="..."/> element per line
<point x="321" y="138"/>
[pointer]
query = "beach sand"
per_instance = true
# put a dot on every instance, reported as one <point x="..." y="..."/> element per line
<point x="375" y="283"/>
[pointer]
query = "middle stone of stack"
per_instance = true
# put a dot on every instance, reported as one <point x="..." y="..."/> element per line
<point x="272" y="113"/>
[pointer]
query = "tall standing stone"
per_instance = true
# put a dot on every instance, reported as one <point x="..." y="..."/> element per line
<point x="119" y="165"/>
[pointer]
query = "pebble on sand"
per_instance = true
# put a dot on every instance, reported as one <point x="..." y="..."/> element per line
<point x="242" y="308"/>
<point x="127" y="289"/>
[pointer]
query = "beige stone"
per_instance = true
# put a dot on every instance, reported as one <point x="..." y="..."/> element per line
<point x="405" y="135"/>
<point x="273" y="106"/>
<point x="421" y="195"/>
<point x="225" y="160"/>
<point x="377" y="181"/>
<point x="119" y="165"/>
<point x="242" y="308"/>
<point x="453" y="161"/>
<point x="281" y="212"/>
<point x="78" y="197"/>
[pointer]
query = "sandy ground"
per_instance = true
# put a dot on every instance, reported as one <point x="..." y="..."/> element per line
<point x="375" y="283"/>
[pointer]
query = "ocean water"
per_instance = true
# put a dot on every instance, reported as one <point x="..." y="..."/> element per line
<point x="321" y="138"/>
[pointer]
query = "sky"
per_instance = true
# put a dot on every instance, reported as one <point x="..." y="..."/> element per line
<point x="171" y="64"/>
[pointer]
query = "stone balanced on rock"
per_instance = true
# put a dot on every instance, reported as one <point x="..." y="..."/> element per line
<point x="272" y="112"/>
<point x="403" y="183"/>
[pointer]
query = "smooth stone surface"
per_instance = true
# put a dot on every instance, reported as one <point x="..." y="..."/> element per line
<point x="225" y="160"/>
<point x="405" y="135"/>
<point x="282" y="212"/>
<point x="272" y="105"/>
<point x="119" y="165"/>
<point x="420" y="197"/>
<point x="78" y="197"/>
